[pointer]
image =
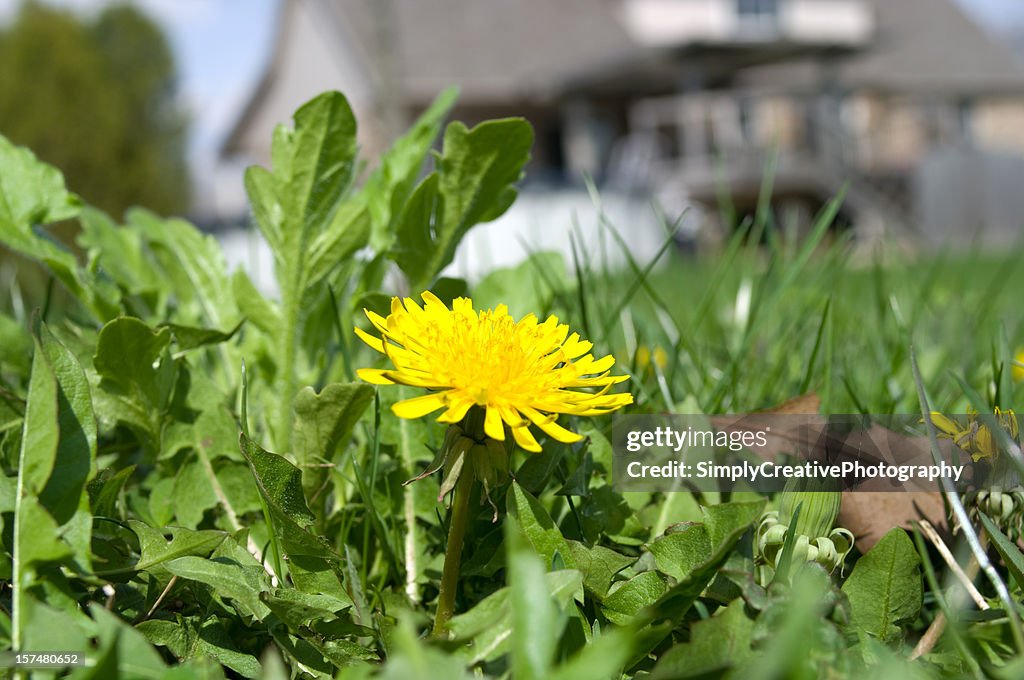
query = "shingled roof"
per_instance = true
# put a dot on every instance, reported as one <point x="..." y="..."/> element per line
<point x="493" y="49"/>
<point x="496" y="51"/>
<point x="927" y="46"/>
<point x="921" y="47"/>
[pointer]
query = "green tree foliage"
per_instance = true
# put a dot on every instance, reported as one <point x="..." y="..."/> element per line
<point x="96" y="99"/>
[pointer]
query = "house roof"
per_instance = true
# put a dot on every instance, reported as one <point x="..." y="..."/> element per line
<point x="921" y="47"/>
<point x="492" y="49"/>
<point x="501" y="51"/>
<point x="496" y="51"/>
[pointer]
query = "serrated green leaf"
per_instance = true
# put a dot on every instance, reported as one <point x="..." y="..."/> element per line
<point x="388" y="188"/>
<point x="214" y="640"/>
<point x="40" y="434"/>
<point x="57" y="459"/>
<point x="473" y="183"/>
<point x="256" y="309"/>
<point x="193" y="495"/>
<point x="299" y="609"/>
<point x="636" y="594"/>
<point x="715" y="644"/>
<point x="74" y="462"/>
<point x="194" y="263"/>
<point x="164" y="634"/>
<point x="674" y="508"/>
<point x="38" y="539"/>
<point x="299" y="652"/>
<point x="724" y="520"/>
<point x="323" y="421"/>
<point x="343" y="652"/>
<point x="885" y="588"/>
<point x="347" y="232"/>
<point x="538" y="527"/>
<point x="729" y="524"/>
<point x="155" y="549"/>
<point x="241" y="583"/>
<point x="599" y="566"/>
<point x="32" y="193"/>
<point x="136" y="376"/>
<point x="191" y="337"/>
<point x="198" y="639"/>
<point x="679" y="553"/>
<point x="312" y="167"/>
<point x="298" y="206"/>
<point x="280" y="484"/>
<point x="117" y="252"/>
<point x="126" y="350"/>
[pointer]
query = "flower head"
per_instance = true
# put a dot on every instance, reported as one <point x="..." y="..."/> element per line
<point x="518" y="372"/>
<point x="976" y="438"/>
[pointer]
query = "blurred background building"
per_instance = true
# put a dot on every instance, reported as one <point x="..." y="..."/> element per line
<point x="909" y="103"/>
<point x="688" y="105"/>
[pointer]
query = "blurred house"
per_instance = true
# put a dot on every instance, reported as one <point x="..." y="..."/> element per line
<point x="907" y="102"/>
<point x="922" y="119"/>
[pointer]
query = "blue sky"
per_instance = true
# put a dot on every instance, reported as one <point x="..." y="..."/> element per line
<point x="223" y="46"/>
<point x="993" y="10"/>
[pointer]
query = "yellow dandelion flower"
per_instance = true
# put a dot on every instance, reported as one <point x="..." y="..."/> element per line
<point x="518" y="372"/>
<point x="984" y="444"/>
<point x="976" y="438"/>
<point x="1008" y="419"/>
<point x="947" y="426"/>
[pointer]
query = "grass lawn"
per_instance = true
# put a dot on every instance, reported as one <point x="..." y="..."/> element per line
<point x="203" y="482"/>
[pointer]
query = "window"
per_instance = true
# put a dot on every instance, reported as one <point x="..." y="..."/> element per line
<point x="759" y="17"/>
<point x="757" y="9"/>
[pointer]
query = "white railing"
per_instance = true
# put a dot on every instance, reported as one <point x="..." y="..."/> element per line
<point x="694" y="137"/>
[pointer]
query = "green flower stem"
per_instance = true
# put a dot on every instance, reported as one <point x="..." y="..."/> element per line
<point x="453" y="551"/>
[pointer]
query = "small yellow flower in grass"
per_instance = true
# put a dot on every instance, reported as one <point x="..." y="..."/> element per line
<point x="518" y="372"/>
<point x="646" y="358"/>
<point x="976" y="438"/>
<point x="1018" y="365"/>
